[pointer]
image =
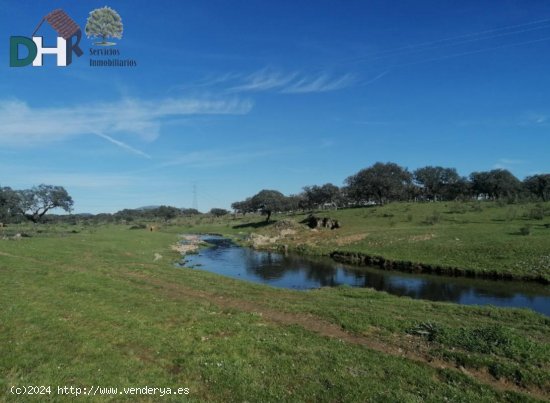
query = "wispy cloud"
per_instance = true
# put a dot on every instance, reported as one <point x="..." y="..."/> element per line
<point x="375" y="78"/>
<point x="264" y="80"/>
<point x="209" y="81"/>
<point x="122" y="145"/>
<point x="268" y="79"/>
<point x="321" y="83"/>
<point x="23" y="124"/>
<point x="532" y="118"/>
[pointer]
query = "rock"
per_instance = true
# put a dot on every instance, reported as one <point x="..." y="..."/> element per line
<point x="285" y="224"/>
<point x="158" y="257"/>
<point x="317" y="222"/>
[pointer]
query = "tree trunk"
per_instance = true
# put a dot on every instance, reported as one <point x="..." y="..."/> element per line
<point x="32" y="218"/>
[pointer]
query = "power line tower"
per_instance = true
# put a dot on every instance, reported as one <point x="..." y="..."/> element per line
<point x="195" y="197"/>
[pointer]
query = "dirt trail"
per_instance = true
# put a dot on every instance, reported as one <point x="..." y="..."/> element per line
<point x="414" y="351"/>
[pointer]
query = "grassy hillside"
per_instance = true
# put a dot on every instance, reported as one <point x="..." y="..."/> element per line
<point x="90" y="306"/>
<point x="485" y="238"/>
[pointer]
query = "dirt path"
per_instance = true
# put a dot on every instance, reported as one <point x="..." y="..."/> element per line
<point x="410" y="349"/>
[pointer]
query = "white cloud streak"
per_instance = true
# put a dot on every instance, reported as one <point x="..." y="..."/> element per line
<point x="264" y="80"/>
<point x="289" y="83"/>
<point x="321" y="83"/>
<point x="26" y="125"/>
<point x="123" y="145"/>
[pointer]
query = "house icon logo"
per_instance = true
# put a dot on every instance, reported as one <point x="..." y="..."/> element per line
<point x="69" y="35"/>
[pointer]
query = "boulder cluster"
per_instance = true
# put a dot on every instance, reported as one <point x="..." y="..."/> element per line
<point x="321" y="222"/>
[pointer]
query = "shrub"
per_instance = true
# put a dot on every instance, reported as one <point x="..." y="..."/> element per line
<point x="433" y="218"/>
<point x="428" y="330"/>
<point x="536" y="213"/>
<point x="458" y="208"/>
<point x="511" y="214"/>
<point x="525" y="230"/>
<point x="486" y="340"/>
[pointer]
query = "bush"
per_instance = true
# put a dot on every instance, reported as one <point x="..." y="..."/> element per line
<point x="511" y="214"/>
<point x="433" y="218"/>
<point x="525" y="230"/>
<point x="536" y="213"/>
<point x="428" y="330"/>
<point x="458" y="208"/>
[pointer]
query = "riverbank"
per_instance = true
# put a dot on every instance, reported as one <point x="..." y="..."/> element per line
<point x="486" y="240"/>
<point x="187" y="244"/>
<point x="361" y="259"/>
<point x="298" y="272"/>
<point x="95" y="307"/>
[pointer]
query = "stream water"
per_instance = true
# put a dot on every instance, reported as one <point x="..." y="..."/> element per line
<point x="298" y="272"/>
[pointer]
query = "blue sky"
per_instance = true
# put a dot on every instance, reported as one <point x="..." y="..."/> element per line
<point x="244" y="95"/>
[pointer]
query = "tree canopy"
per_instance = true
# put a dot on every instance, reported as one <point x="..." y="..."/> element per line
<point x="496" y="184"/>
<point x="436" y="182"/>
<point x="382" y="182"/>
<point x="218" y="212"/>
<point x="538" y="185"/>
<point x="9" y="203"/>
<point x="317" y="196"/>
<point x="34" y="203"/>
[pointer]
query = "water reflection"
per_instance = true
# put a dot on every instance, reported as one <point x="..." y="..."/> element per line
<point x="300" y="273"/>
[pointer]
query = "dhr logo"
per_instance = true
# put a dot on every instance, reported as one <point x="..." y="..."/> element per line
<point x="68" y="39"/>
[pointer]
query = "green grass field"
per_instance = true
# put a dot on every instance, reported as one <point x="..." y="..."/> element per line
<point x="89" y="306"/>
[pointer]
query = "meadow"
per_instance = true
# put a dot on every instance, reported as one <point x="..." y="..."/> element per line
<point x="94" y="305"/>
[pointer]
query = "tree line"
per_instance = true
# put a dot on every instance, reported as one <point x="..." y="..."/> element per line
<point x="378" y="184"/>
<point x="382" y="183"/>
<point x="35" y="205"/>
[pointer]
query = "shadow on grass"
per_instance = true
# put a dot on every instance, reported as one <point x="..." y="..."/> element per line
<point x="259" y="224"/>
<point x="532" y="226"/>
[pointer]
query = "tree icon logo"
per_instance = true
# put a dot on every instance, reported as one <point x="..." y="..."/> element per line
<point x="104" y="23"/>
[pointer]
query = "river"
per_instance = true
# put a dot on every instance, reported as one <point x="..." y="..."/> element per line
<point x="299" y="272"/>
